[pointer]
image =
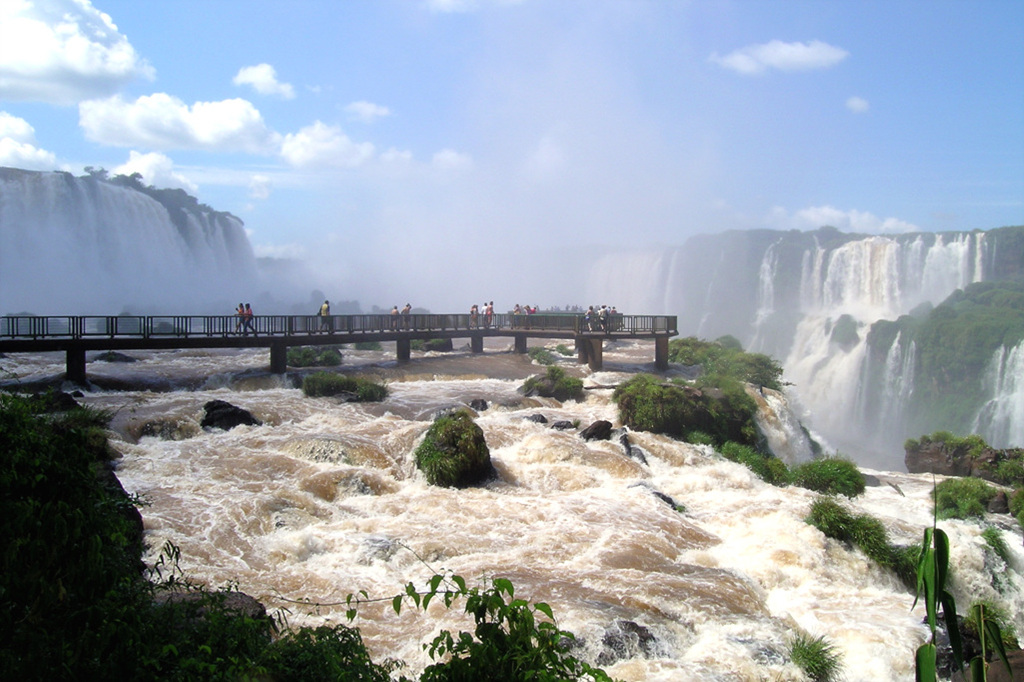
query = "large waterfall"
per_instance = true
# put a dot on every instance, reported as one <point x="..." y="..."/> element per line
<point x="814" y="301"/>
<point x="86" y="245"/>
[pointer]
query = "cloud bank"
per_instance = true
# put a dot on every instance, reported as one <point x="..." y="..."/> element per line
<point x="755" y="60"/>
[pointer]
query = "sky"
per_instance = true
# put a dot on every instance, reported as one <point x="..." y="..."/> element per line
<point x="467" y="141"/>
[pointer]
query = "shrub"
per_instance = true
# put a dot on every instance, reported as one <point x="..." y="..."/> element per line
<point x="994" y="539"/>
<point x="542" y="356"/>
<point x="323" y="653"/>
<point x="831" y="476"/>
<point x="768" y="468"/>
<point x="726" y="413"/>
<point x="554" y="384"/>
<point x="454" y="453"/>
<point x="435" y="345"/>
<point x="817" y="657"/>
<point x="725" y="358"/>
<point x="962" y="498"/>
<point x="314" y="356"/>
<point x="866" y="533"/>
<point x="564" y="350"/>
<point x="367" y="345"/>
<point x="321" y="384"/>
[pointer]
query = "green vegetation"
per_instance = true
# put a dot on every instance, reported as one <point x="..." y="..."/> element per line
<point x="865" y="532"/>
<point x="314" y="356"/>
<point x="829" y="475"/>
<point x="542" y="356"/>
<point x="556" y="383"/>
<point x="768" y="468"/>
<point x="994" y="539"/>
<point x="321" y="384"/>
<point x="564" y="350"/>
<point x="454" y="453"/>
<point x="817" y="657"/>
<point x="435" y="345"/>
<point x="367" y="345"/>
<point x="955" y="343"/>
<point x="962" y="498"/>
<point x="725" y="359"/>
<point x="725" y="413"/>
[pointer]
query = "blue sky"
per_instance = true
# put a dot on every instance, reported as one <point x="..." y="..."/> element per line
<point x="348" y="133"/>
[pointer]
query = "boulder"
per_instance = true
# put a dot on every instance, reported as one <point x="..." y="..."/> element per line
<point x="625" y="639"/>
<point x="478" y="404"/>
<point x="454" y="452"/>
<point x="563" y="425"/>
<point x="599" y="430"/>
<point x="631" y="450"/>
<point x="538" y="418"/>
<point x="935" y="457"/>
<point x="223" y="415"/>
<point x="999" y="504"/>
<point x="113" y="356"/>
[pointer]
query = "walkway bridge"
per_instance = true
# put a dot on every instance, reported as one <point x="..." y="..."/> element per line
<point x="75" y="335"/>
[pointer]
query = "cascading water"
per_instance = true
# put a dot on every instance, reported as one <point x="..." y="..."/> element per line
<point x="87" y="246"/>
<point x="1001" y="420"/>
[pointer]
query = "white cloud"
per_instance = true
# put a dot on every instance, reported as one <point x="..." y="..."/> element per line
<point x="323" y="145"/>
<point x="259" y="187"/>
<point x="449" y="159"/>
<point x="62" y="51"/>
<point x="263" y="79"/>
<point x="756" y="59"/>
<point x="160" y="121"/>
<point x="18" y="145"/>
<point x="813" y="217"/>
<point x="366" y="112"/>
<point x="156" y="170"/>
<point x="857" y="105"/>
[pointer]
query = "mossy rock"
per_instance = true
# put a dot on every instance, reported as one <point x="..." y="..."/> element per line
<point x="554" y="384"/>
<point x="454" y="453"/>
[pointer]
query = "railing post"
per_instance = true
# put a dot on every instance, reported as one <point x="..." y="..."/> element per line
<point x="75" y="365"/>
<point x="661" y="353"/>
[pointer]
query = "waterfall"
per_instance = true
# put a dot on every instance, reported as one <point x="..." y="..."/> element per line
<point x="1001" y="419"/>
<point x="780" y="426"/>
<point x="765" y="296"/>
<point x="88" y="246"/>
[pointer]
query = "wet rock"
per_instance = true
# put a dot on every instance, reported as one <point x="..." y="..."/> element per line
<point x="538" y="418"/>
<point x="171" y="428"/>
<point x="999" y="504"/>
<point x="599" y="430"/>
<point x="220" y="414"/>
<point x="376" y="547"/>
<point x="114" y="356"/>
<point x="625" y="639"/>
<point x="237" y="604"/>
<point x="631" y="450"/>
<point x="563" y="425"/>
<point x="54" y="401"/>
<point x="478" y="404"/>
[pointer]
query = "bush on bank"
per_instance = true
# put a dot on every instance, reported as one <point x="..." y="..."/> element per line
<point x="555" y="383"/>
<point x="321" y="384"/>
<point x="726" y="358"/>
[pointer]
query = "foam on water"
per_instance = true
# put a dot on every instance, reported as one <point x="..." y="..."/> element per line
<point x="324" y="500"/>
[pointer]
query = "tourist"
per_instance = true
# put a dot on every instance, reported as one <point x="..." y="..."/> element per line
<point x="247" y="318"/>
<point x="240" y="314"/>
<point x="406" y="311"/>
<point x="394" y="317"/>
<point x="474" y="312"/>
<point x="325" y="317"/>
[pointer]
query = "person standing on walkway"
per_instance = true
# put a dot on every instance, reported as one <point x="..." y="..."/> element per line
<point x="325" y="317"/>
<point x="239" y="318"/>
<point x="247" y="318"/>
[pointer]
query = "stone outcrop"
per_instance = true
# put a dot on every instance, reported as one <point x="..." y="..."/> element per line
<point x="599" y="430"/>
<point x="223" y="415"/>
<point x="956" y="458"/>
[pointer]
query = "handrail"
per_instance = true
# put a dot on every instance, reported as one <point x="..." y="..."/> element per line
<point x="74" y="327"/>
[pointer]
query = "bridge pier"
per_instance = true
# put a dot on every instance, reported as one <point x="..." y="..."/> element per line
<point x="278" y="357"/>
<point x="404" y="349"/>
<point x="520" y="343"/>
<point x="590" y="351"/>
<point x="476" y="343"/>
<point x="661" y="353"/>
<point x="75" y="364"/>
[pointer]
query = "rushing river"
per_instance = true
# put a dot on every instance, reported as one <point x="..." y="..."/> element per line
<point x="324" y="500"/>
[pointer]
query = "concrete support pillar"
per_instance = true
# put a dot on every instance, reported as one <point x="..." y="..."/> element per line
<point x="404" y="349"/>
<point x="661" y="353"/>
<point x="75" y="364"/>
<point x="595" y="358"/>
<point x="581" y="350"/>
<point x="476" y="343"/>
<point x="278" y="357"/>
<point x="521" y="340"/>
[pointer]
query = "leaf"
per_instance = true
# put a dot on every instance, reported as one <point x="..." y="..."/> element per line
<point x="995" y="637"/>
<point x="925" y="660"/>
<point x="952" y="629"/>
<point x="504" y="585"/>
<point x="396" y="603"/>
<point x="460" y="581"/>
<point x="435" y="581"/>
<point x="545" y="609"/>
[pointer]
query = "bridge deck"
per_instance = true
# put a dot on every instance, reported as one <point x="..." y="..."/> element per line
<point x="77" y="334"/>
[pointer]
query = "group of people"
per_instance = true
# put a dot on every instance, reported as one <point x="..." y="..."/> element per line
<point x="474" y="315"/>
<point x="601" y="318"/>
<point x="402" y="314"/>
<point x="243" y="323"/>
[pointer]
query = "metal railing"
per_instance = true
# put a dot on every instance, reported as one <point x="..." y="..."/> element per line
<point x="185" y="326"/>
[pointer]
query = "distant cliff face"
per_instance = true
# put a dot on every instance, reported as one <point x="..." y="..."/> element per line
<point x="89" y="245"/>
<point x="811" y="300"/>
